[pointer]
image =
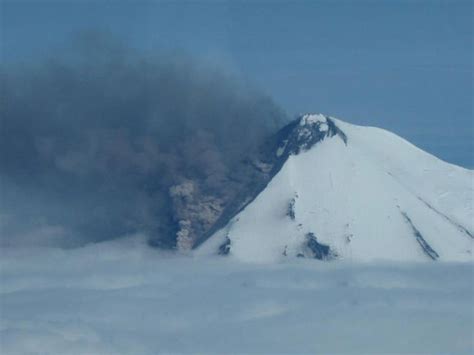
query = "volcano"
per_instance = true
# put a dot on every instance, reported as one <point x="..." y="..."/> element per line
<point x="341" y="191"/>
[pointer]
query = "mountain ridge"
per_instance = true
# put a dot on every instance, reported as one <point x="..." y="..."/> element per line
<point x="350" y="192"/>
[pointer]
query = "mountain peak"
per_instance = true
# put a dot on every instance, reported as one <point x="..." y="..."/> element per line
<point x="307" y="130"/>
<point x="312" y="119"/>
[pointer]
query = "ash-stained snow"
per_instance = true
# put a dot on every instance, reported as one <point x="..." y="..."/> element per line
<point x="123" y="297"/>
<point x="281" y="149"/>
<point x="351" y="187"/>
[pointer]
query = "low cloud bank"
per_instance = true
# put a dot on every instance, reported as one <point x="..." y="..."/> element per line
<point x="123" y="297"/>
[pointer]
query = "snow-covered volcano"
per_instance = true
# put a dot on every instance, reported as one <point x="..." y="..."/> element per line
<point x="356" y="193"/>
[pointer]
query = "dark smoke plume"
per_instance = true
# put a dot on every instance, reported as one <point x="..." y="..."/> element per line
<point x="103" y="141"/>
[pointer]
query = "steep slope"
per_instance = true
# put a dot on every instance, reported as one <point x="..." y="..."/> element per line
<point x="357" y="193"/>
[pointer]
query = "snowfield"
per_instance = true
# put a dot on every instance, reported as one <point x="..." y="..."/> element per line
<point x="123" y="297"/>
<point x="363" y="194"/>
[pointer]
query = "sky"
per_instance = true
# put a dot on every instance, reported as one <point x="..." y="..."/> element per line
<point x="405" y="66"/>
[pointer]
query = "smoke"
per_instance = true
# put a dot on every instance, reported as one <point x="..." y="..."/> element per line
<point x="103" y="141"/>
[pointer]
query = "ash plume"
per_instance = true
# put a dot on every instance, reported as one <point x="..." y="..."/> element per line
<point x="103" y="141"/>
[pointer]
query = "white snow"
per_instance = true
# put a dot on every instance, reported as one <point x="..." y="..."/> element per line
<point x="352" y="197"/>
<point x="310" y="119"/>
<point x="122" y="297"/>
<point x="323" y="127"/>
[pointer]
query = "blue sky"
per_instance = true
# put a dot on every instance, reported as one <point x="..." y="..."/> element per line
<point x="402" y="65"/>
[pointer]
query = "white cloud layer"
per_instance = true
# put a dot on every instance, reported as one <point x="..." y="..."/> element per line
<point x="122" y="297"/>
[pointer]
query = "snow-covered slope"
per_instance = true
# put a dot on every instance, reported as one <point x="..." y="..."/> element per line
<point x="354" y="193"/>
